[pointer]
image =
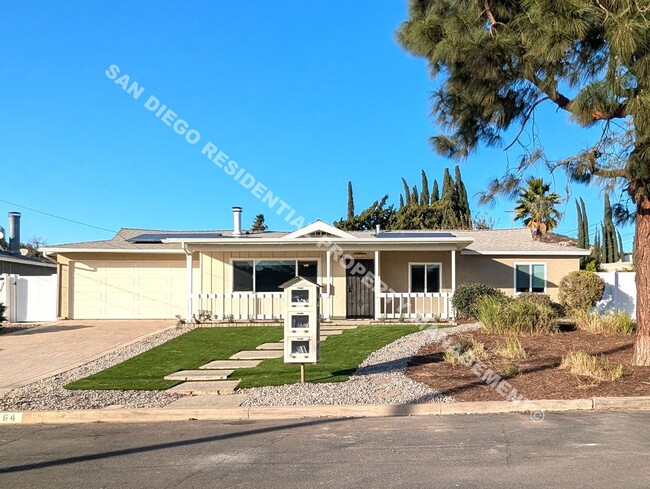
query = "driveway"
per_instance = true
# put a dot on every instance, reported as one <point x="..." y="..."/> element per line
<point x="40" y="352"/>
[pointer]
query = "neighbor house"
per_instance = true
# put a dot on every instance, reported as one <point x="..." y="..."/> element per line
<point x="235" y="275"/>
<point x="14" y="261"/>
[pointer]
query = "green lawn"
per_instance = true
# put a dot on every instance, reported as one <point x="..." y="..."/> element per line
<point x="187" y="352"/>
<point x="340" y="356"/>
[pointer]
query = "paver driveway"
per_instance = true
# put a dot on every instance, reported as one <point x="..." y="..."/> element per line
<point x="40" y="352"/>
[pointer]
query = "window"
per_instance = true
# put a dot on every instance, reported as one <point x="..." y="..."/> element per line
<point x="424" y="277"/>
<point x="268" y="275"/>
<point x="530" y="277"/>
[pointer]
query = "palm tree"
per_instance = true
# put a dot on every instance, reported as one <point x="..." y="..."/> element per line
<point x="536" y="207"/>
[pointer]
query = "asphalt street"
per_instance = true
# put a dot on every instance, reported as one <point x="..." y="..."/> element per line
<point x="584" y="449"/>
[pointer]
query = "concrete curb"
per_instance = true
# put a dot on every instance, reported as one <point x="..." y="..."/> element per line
<point x="337" y="411"/>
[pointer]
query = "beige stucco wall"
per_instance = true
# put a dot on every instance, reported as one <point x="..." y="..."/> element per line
<point x="499" y="271"/>
<point x="394" y="267"/>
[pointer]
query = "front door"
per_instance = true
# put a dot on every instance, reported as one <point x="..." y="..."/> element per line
<point x="360" y="298"/>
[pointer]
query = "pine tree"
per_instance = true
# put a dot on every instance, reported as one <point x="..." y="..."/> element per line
<point x="350" y="201"/>
<point x="424" y="193"/>
<point x="258" y="225"/>
<point x="435" y="193"/>
<point x="499" y="62"/>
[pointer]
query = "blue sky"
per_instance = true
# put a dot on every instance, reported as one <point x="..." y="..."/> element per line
<point x="305" y="95"/>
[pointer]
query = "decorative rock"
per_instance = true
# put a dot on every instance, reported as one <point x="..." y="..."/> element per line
<point x="205" y="388"/>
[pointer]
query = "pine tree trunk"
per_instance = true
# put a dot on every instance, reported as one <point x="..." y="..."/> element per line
<point x="642" y="264"/>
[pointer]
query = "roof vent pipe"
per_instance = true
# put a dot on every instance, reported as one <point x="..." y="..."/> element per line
<point x="14" y="232"/>
<point x="236" y="221"/>
<point x="378" y="228"/>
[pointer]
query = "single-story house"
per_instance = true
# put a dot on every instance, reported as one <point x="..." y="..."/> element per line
<point x="235" y="275"/>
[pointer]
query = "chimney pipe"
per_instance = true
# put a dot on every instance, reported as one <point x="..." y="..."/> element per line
<point x="14" y="232"/>
<point x="236" y="217"/>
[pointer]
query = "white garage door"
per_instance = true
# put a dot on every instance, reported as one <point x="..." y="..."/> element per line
<point x="128" y="289"/>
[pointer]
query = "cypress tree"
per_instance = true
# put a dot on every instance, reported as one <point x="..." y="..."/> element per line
<point x="621" y="251"/>
<point x="350" y="201"/>
<point x="581" y="229"/>
<point x="407" y="192"/>
<point x="450" y="202"/>
<point x="415" y="197"/>
<point x="435" y="193"/>
<point x="424" y="193"/>
<point x="464" y="213"/>
<point x="585" y="223"/>
<point x="401" y="201"/>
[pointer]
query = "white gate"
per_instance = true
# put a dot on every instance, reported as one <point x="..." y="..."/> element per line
<point x="620" y="292"/>
<point x="29" y="298"/>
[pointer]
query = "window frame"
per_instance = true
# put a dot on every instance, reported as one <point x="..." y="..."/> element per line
<point x="530" y="265"/>
<point x="438" y="264"/>
<point x="256" y="260"/>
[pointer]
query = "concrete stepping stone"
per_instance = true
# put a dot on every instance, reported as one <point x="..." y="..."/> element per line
<point x="336" y="327"/>
<point x="331" y="332"/>
<point x="271" y="346"/>
<point x="198" y="375"/>
<point x="229" y="364"/>
<point x="257" y="355"/>
<point x="215" y="387"/>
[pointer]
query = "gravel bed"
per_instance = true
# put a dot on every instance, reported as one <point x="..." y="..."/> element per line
<point x="49" y="394"/>
<point x="380" y="379"/>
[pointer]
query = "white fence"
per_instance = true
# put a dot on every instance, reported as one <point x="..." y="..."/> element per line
<point x="241" y="305"/>
<point x="415" y="305"/>
<point x="620" y="292"/>
<point x="29" y="298"/>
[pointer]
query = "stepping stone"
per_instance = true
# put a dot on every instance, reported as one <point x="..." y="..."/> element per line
<point x="331" y="332"/>
<point x="230" y="364"/>
<point x="271" y="346"/>
<point x="214" y="387"/>
<point x="197" y="375"/>
<point x="336" y="327"/>
<point x="257" y="355"/>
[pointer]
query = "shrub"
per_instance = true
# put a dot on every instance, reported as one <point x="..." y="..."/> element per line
<point x="465" y="350"/>
<point x="609" y="323"/>
<point x="542" y="300"/>
<point x="2" y="313"/>
<point x="510" y="316"/>
<point x="512" y="349"/>
<point x="597" y="368"/>
<point x="581" y="290"/>
<point x="467" y="295"/>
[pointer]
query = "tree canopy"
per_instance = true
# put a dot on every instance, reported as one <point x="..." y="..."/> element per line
<point x="499" y="60"/>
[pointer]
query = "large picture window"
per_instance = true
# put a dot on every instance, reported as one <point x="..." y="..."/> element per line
<point x="530" y="277"/>
<point x="268" y="275"/>
<point x="424" y="277"/>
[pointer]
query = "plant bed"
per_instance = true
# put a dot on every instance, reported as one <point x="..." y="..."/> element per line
<point x="537" y="376"/>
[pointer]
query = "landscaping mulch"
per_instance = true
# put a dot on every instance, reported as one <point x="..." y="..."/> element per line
<point x="539" y="376"/>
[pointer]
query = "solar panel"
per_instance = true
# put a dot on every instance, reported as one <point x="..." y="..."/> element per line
<point x="158" y="237"/>
<point x="414" y="235"/>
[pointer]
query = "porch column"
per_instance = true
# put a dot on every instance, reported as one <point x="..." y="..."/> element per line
<point x="453" y="271"/>
<point x="188" y="284"/>
<point x="328" y="281"/>
<point x="377" y="286"/>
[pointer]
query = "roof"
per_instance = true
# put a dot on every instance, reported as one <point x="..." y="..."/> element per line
<point x="486" y="242"/>
<point x="25" y="260"/>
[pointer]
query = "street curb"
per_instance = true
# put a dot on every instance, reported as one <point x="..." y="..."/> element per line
<point x="149" y="415"/>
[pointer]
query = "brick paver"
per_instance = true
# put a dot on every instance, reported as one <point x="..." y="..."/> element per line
<point x="40" y="352"/>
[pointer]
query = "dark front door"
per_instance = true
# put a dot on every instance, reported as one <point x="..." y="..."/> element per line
<point x="360" y="297"/>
